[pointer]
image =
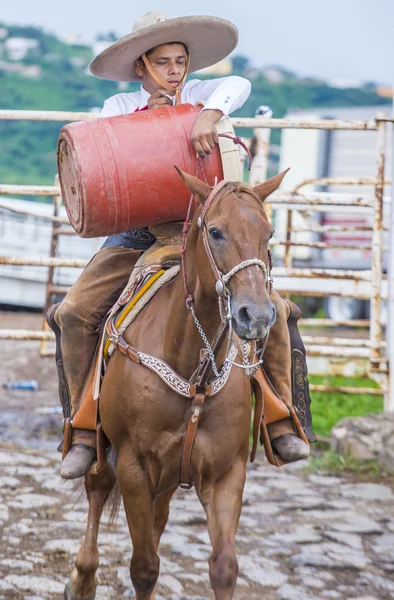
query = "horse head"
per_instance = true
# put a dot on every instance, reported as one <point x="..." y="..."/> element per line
<point x="233" y="249"/>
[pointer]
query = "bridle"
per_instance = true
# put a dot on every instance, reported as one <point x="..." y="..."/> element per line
<point x="222" y="290"/>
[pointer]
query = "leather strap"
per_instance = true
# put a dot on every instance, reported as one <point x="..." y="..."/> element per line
<point x="201" y="379"/>
<point x="125" y="348"/>
<point x="162" y="82"/>
<point x="102" y="446"/>
<point x="201" y="375"/>
<point x="257" y="418"/>
<point x="273" y="459"/>
<point x="67" y="437"/>
<point x="274" y="407"/>
<point x="212" y="195"/>
<point x="119" y="342"/>
<point x="186" y="481"/>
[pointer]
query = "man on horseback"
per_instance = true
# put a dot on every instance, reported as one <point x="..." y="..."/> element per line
<point x="160" y="52"/>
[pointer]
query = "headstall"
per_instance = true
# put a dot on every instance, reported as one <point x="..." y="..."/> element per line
<point x="222" y="290"/>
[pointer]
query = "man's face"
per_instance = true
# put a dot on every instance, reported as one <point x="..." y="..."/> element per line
<point x="168" y="60"/>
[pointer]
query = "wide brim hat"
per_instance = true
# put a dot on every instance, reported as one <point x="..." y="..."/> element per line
<point x="209" y="40"/>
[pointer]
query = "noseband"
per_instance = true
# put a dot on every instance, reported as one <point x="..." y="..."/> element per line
<point x="223" y="292"/>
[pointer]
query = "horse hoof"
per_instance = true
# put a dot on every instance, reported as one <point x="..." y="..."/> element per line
<point x="69" y="595"/>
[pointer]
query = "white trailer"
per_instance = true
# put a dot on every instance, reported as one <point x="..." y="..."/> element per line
<point x="26" y="235"/>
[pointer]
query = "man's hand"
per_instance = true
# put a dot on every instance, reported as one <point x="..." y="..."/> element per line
<point x="204" y="135"/>
<point x="159" y="99"/>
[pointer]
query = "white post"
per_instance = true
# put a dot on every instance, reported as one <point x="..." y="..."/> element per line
<point x="389" y="399"/>
<point x="258" y="171"/>
<point x="375" y="331"/>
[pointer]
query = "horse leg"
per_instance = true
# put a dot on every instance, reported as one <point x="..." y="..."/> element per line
<point x="222" y="502"/>
<point x="83" y="583"/>
<point x="139" y="508"/>
<point x="162" y="510"/>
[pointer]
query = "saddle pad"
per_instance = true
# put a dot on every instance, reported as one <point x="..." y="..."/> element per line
<point x="130" y="304"/>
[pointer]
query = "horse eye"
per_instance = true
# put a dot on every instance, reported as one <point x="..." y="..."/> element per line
<point x="215" y="234"/>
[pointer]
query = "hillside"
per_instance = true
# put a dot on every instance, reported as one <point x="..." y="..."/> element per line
<point x="38" y="71"/>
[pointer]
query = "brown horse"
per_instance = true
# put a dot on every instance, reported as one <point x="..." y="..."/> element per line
<point x="145" y="420"/>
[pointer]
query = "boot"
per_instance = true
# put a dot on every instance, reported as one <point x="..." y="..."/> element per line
<point x="64" y="392"/>
<point x="290" y="447"/>
<point x="80" y="457"/>
<point x="78" y="461"/>
<point x="285" y="367"/>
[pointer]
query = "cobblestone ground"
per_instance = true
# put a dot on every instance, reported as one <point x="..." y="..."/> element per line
<point x="302" y="535"/>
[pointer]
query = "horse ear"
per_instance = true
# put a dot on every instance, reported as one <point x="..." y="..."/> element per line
<point x="198" y="188"/>
<point x="265" y="189"/>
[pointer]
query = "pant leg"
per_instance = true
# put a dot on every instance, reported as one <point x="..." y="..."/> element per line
<point x="277" y="363"/>
<point x="83" y="309"/>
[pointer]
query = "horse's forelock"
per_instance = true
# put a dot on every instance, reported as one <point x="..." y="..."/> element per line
<point x="234" y="188"/>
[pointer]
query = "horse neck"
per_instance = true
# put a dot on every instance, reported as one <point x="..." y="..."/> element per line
<point x="182" y="340"/>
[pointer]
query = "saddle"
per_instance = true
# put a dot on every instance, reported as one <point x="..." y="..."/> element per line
<point x="155" y="268"/>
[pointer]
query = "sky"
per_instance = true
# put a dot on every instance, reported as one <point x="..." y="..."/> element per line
<point x="331" y="39"/>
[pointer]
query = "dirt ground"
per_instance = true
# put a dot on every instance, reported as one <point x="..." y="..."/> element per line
<point x="27" y="418"/>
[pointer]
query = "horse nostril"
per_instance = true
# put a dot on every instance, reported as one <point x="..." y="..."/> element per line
<point x="273" y="318"/>
<point x="244" y="316"/>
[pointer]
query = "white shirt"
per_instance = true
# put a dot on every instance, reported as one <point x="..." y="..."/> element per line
<point x="226" y="94"/>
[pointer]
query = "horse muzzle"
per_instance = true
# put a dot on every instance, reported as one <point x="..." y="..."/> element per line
<point x="252" y="322"/>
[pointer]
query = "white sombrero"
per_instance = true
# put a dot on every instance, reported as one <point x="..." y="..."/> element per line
<point x="209" y="40"/>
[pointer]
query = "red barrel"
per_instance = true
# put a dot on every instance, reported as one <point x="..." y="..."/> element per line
<point x="118" y="173"/>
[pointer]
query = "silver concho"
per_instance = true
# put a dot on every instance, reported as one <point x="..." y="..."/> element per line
<point x="199" y="222"/>
<point x="219" y="287"/>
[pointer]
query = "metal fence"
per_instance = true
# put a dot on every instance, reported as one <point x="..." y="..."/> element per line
<point x="370" y="284"/>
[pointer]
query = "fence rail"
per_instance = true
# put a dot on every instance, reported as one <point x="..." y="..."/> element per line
<point x="370" y="283"/>
<point x="249" y="123"/>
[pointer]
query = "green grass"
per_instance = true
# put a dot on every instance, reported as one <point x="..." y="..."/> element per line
<point x="335" y="463"/>
<point x="329" y="408"/>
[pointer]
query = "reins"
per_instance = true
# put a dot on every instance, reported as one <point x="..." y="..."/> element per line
<point x="237" y="140"/>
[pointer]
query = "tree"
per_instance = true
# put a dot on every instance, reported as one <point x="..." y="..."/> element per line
<point x="240" y="63"/>
<point x="108" y="36"/>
